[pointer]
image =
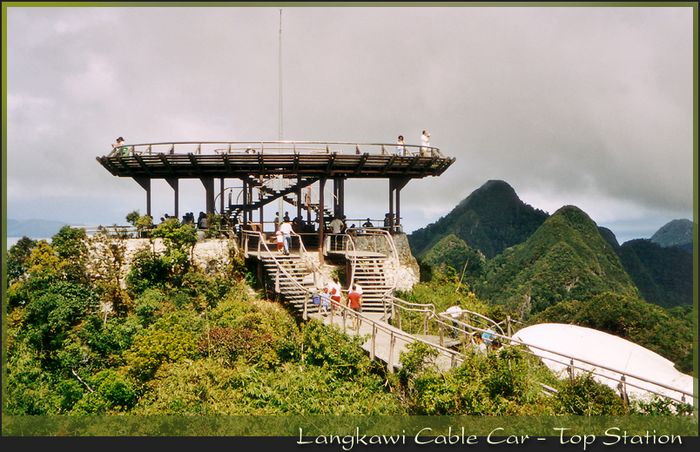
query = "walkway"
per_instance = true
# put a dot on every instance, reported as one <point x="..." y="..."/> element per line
<point x="384" y="341"/>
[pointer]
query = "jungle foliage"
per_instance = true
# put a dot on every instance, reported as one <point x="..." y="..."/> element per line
<point x="91" y="336"/>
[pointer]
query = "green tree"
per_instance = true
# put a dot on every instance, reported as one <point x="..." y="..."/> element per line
<point x="17" y="258"/>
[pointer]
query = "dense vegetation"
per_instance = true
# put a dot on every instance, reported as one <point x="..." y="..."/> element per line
<point x="87" y="335"/>
<point x="664" y="275"/>
<point x="170" y="340"/>
<point x="491" y="219"/>
<point x="572" y="271"/>
<point x="565" y="259"/>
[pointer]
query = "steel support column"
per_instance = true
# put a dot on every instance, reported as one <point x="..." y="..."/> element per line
<point x="395" y="186"/>
<point x="145" y="183"/>
<point x="175" y="185"/>
<point x="321" y="187"/>
<point x="299" y="198"/>
<point x="221" y="193"/>
<point x="245" y="202"/>
<point x="208" y="183"/>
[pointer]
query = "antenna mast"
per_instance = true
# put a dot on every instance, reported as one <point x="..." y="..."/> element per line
<point x="279" y="75"/>
<point x="280" y="135"/>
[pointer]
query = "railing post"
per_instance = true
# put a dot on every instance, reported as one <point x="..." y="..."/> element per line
<point x="277" y="280"/>
<point x="570" y="369"/>
<point x="622" y="387"/>
<point x="508" y="326"/>
<point x="305" y="316"/>
<point x="372" y="352"/>
<point x="392" y="341"/>
<point x="345" y="315"/>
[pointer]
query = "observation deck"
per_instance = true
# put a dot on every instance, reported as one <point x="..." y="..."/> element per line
<point x="270" y="170"/>
<point x="287" y="158"/>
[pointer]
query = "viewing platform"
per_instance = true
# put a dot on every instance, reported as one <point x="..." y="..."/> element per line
<point x="288" y="158"/>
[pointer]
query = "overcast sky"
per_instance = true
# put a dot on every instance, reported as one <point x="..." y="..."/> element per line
<point x="585" y="106"/>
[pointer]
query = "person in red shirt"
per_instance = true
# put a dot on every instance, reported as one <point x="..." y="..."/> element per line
<point x="355" y="303"/>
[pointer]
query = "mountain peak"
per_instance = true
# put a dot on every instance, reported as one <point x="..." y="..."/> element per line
<point x="675" y="233"/>
<point x="490" y="219"/>
<point x="492" y="190"/>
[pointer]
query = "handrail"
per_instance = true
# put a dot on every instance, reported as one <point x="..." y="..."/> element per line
<point x="262" y="241"/>
<point x="408" y="337"/>
<point x="394" y="256"/>
<point x="261" y="147"/>
<point x="595" y="366"/>
<point x="302" y="251"/>
<point x="450" y="323"/>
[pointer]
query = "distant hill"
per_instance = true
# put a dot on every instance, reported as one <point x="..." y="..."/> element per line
<point x="675" y="233"/>
<point x="565" y="259"/>
<point x="451" y="250"/>
<point x="33" y="228"/>
<point x="664" y="275"/>
<point x="490" y="220"/>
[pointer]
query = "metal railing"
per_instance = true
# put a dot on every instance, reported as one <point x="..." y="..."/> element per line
<point x="273" y="147"/>
<point x="455" y="357"/>
<point x="467" y="330"/>
<point x="112" y="231"/>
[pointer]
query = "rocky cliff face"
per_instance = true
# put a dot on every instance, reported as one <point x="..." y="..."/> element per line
<point x="207" y="254"/>
<point x="407" y="273"/>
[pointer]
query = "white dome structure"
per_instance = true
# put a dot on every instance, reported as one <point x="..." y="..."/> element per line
<point x="609" y="358"/>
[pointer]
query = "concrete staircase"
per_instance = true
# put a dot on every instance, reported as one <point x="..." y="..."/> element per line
<point x="293" y="283"/>
<point x="370" y="274"/>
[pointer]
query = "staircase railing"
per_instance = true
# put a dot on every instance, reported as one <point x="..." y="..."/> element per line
<point x="260" y="243"/>
<point x="307" y="258"/>
<point x="455" y="357"/>
<point x="393" y="257"/>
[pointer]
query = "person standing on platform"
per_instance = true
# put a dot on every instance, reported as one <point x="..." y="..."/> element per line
<point x="286" y="230"/>
<point x="400" y="146"/>
<point x="424" y="142"/>
<point x="336" y="225"/>
<point x="118" y="146"/>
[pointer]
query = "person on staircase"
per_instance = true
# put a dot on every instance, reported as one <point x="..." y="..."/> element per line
<point x="355" y="304"/>
<point x="286" y="230"/>
<point x="280" y="240"/>
<point x="334" y="290"/>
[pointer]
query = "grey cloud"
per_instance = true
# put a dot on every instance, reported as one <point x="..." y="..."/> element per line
<point x="564" y="100"/>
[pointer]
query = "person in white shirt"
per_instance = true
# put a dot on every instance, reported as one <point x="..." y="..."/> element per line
<point x="286" y="230"/>
<point x="333" y="288"/>
<point x="336" y="225"/>
<point x="400" y="148"/>
<point x="425" y="142"/>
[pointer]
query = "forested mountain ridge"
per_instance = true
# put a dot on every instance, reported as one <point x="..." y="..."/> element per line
<point x="565" y="259"/>
<point x="490" y="219"/>
<point x="664" y="275"/>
